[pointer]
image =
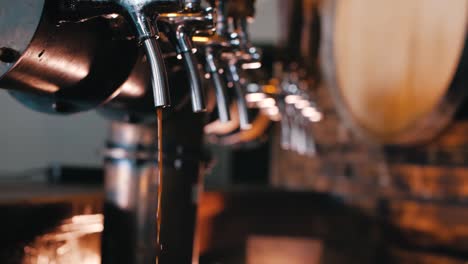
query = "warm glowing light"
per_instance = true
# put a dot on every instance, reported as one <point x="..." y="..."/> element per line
<point x="251" y="65"/>
<point x="276" y="118"/>
<point x="316" y="118"/>
<point x="254" y="97"/>
<point x="312" y="114"/>
<point x="292" y="98"/>
<point x="44" y="86"/>
<point x="200" y="39"/>
<point x="246" y="126"/>
<point x="76" y="240"/>
<point x="301" y="104"/>
<point x="132" y="89"/>
<point x="309" y="111"/>
<point x="269" y="88"/>
<point x="272" y="111"/>
<point x="267" y="103"/>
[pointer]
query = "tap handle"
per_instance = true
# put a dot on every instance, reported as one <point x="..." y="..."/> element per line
<point x="148" y="34"/>
<point x="242" y="109"/>
<point x="220" y="89"/>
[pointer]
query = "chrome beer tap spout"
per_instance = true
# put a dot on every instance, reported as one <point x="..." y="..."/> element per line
<point x="180" y="27"/>
<point x="210" y="46"/>
<point x="143" y="15"/>
<point x="241" y="54"/>
<point x="220" y="48"/>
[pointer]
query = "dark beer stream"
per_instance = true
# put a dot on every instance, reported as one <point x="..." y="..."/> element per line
<point x="160" y="179"/>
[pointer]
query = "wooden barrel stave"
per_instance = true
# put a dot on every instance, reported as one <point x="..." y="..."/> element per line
<point x="396" y="69"/>
<point x="427" y="207"/>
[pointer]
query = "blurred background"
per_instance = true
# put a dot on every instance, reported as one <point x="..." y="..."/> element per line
<point x="358" y="152"/>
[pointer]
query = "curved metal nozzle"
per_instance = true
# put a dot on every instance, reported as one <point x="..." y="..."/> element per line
<point x="220" y="89"/>
<point x="147" y="33"/>
<point x="196" y="90"/>
<point x="179" y="27"/>
<point x="184" y="47"/>
<point x="242" y="108"/>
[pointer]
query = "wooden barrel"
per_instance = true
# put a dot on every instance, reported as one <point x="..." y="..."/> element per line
<point x="397" y="70"/>
<point x="426" y="205"/>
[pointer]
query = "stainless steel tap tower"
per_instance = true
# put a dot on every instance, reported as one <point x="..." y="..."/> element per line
<point x="124" y="58"/>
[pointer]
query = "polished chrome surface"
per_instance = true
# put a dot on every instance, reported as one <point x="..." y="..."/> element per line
<point x="220" y="88"/>
<point x="242" y="108"/>
<point x="147" y="34"/>
<point x="130" y="195"/>
<point x="180" y="27"/>
<point x="70" y="67"/>
<point x="143" y="13"/>
<point x="235" y="48"/>
<point x="159" y="80"/>
<point x="216" y="46"/>
<point x="18" y="23"/>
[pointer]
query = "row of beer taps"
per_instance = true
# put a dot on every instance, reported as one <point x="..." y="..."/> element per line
<point x="299" y="112"/>
<point x="288" y="100"/>
<point x="213" y="34"/>
<point x="216" y="36"/>
<point x="211" y="40"/>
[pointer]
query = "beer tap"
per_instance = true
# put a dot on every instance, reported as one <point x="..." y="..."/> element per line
<point x="242" y="54"/>
<point x="180" y="27"/>
<point x="220" y="47"/>
<point x="227" y="38"/>
<point x="143" y="14"/>
<point x="249" y="55"/>
<point x="211" y="44"/>
<point x="242" y="109"/>
<point x="220" y="89"/>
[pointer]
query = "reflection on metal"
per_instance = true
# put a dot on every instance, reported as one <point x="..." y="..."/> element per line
<point x="260" y="125"/>
<point x="251" y="66"/>
<point x="179" y="28"/>
<point x="219" y="127"/>
<point x="267" y="103"/>
<point x="254" y="97"/>
<point x="131" y="185"/>
<point x="228" y="51"/>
